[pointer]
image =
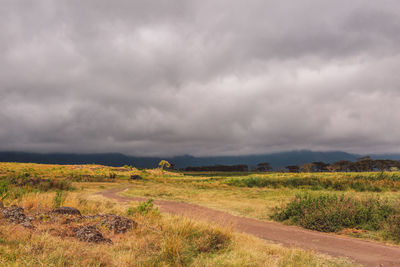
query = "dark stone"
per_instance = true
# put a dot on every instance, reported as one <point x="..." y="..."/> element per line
<point x="90" y="234"/>
<point x="67" y="210"/>
<point x="136" y="177"/>
<point x="15" y="214"/>
<point x="118" y="224"/>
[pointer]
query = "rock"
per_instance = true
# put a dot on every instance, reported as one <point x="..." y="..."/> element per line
<point x="118" y="224"/>
<point x="27" y="224"/>
<point x="15" y="214"/>
<point x="136" y="177"/>
<point x="89" y="233"/>
<point x="67" y="210"/>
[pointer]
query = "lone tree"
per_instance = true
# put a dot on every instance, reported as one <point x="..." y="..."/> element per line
<point x="164" y="164"/>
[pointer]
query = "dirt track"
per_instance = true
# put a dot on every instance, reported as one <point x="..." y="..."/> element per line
<point x="368" y="253"/>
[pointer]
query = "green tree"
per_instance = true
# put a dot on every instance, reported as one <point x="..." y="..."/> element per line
<point x="308" y="167"/>
<point x="263" y="167"/>
<point x="164" y="164"/>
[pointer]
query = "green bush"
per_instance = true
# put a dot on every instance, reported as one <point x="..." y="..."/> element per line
<point x="332" y="213"/>
<point x="4" y="186"/>
<point x="143" y="208"/>
<point x="393" y="227"/>
<point x="58" y="199"/>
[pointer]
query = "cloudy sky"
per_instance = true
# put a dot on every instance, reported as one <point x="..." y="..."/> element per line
<point x="199" y="77"/>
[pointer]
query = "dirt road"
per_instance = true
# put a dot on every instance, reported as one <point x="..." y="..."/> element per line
<point x="368" y="253"/>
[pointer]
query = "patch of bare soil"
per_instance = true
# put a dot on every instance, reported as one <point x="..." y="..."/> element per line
<point x="368" y="253"/>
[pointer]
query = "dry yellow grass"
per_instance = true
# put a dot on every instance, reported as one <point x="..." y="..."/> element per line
<point x="248" y="202"/>
<point x="160" y="240"/>
<point x="145" y="248"/>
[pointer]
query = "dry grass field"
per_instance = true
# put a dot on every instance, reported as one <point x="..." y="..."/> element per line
<point x="155" y="239"/>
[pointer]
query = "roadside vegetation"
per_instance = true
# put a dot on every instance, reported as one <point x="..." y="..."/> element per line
<point x="42" y="236"/>
<point x="335" y="213"/>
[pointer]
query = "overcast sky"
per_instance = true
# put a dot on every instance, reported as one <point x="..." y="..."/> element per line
<point x="199" y="77"/>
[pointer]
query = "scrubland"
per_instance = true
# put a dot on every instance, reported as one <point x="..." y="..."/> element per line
<point x="156" y="240"/>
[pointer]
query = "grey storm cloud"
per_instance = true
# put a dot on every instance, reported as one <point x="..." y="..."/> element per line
<point x="199" y="77"/>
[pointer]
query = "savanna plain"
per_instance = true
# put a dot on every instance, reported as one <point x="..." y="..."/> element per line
<point x="37" y="230"/>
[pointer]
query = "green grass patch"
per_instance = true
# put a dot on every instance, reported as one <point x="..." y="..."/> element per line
<point x="15" y="185"/>
<point x="370" y="182"/>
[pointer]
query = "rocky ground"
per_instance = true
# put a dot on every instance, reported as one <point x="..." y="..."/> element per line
<point x="68" y="222"/>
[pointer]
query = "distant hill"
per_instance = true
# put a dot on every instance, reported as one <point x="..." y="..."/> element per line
<point x="386" y="156"/>
<point x="277" y="160"/>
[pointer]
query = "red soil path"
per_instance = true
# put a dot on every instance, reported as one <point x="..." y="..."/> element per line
<point x="367" y="253"/>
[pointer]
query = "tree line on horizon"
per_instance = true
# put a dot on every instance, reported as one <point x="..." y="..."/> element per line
<point x="364" y="164"/>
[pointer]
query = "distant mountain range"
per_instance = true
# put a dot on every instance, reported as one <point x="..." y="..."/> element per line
<point x="277" y="160"/>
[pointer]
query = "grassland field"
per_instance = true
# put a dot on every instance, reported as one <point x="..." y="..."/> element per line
<point x="176" y="241"/>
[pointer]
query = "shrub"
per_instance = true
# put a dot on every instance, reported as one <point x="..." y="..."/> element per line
<point x="332" y="213"/>
<point x="4" y="186"/>
<point x="393" y="227"/>
<point x="58" y="199"/>
<point x="143" y="208"/>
